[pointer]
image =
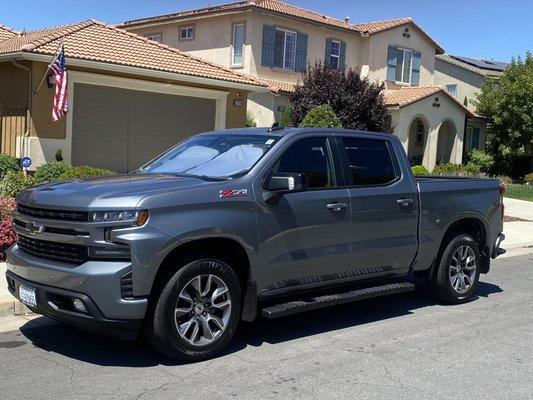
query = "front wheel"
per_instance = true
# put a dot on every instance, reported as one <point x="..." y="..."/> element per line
<point x="197" y="312"/>
<point x="458" y="271"/>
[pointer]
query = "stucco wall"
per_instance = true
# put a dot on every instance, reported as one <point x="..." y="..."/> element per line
<point x="468" y="82"/>
<point x="14" y="85"/>
<point x="376" y="53"/>
<point x="266" y="108"/>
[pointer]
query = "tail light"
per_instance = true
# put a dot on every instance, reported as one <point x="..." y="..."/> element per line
<point x="502" y="192"/>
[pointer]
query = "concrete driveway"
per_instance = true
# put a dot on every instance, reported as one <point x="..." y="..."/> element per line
<point x="401" y="347"/>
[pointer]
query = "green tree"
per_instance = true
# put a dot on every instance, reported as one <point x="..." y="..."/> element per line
<point x="507" y="103"/>
<point x="321" y="116"/>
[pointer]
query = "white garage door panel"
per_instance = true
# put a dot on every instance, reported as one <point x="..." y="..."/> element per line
<point x="122" y="129"/>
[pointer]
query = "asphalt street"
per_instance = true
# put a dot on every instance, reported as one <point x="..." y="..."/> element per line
<point x="402" y="347"/>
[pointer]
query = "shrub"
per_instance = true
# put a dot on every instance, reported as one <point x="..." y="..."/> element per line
<point x="529" y="178"/>
<point x="8" y="163"/>
<point x="419" y="170"/>
<point x="250" y="120"/>
<point x="457" y="170"/>
<point x="84" y="171"/>
<point x="505" y="179"/>
<point x="59" y="155"/>
<point x="7" y="237"/>
<point x="286" y="117"/>
<point x="15" y="182"/>
<point x="481" y="159"/>
<point x="321" y="116"/>
<point x="7" y="206"/>
<point x="51" y="172"/>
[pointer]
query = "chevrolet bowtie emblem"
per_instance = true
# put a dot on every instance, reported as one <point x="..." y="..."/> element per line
<point x="33" y="228"/>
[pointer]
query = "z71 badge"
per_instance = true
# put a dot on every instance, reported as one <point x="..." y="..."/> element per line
<point x="224" y="193"/>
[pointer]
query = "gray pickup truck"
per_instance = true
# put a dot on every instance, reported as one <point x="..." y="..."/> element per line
<point x="234" y="224"/>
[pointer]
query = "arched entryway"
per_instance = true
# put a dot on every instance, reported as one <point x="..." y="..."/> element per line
<point x="447" y="133"/>
<point x="416" y="145"/>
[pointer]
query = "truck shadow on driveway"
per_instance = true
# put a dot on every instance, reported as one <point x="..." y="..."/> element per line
<point x="83" y="346"/>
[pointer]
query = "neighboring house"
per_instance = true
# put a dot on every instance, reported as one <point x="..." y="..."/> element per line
<point x="275" y="41"/>
<point x="463" y="77"/>
<point x="129" y="98"/>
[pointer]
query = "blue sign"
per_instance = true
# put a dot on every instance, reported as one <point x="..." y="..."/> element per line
<point x="25" y="162"/>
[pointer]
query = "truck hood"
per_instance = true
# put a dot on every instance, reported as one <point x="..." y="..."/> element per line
<point x="121" y="191"/>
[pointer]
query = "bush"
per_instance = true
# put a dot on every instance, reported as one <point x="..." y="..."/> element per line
<point x="59" y="155"/>
<point x="505" y="179"/>
<point x="7" y="206"/>
<point x="286" y="117"/>
<point x="84" y="171"/>
<point x="7" y="237"/>
<point x="321" y="116"/>
<point x="51" y="172"/>
<point x="8" y="163"/>
<point x="481" y="159"/>
<point x="511" y="164"/>
<point x="15" y="182"/>
<point x="457" y="170"/>
<point x="250" y="120"/>
<point x="419" y="170"/>
<point x="529" y="178"/>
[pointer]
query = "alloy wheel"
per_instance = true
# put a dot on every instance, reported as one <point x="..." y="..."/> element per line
<point x="463" y="269"/>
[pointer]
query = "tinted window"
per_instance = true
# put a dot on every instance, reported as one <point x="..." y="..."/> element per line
<point x="370" y="161"/>
<point x="311" y="157"/>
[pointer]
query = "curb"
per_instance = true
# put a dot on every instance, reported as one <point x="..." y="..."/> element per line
<point x="10" y="306"/>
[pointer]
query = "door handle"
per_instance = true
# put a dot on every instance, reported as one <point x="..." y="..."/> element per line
<point x="404" y="202"/>
<point x="336" y="206"/>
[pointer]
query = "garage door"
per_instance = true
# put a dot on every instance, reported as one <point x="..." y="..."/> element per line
<point x="122" y="129"/>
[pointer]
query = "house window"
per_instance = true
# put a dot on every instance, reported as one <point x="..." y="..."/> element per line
<point x="419" y="133"/>
<point x="156" y="37"/>
<point x="335" y="54"/>
<point x="452" y="89"/>
<point x="403" y="65"/>
<point x="187" y="33"/>
<point x="285" y="49"/>
<point x="237" y="58"/>
<point x="472" y="138"/>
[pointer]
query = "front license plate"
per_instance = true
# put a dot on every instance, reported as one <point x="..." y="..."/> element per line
<point x="28" y="296"/>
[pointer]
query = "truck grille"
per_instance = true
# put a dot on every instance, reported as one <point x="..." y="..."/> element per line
<point x="69" y="253"/>
<point x="126" y="286"/>
<point x="82" y="216"/>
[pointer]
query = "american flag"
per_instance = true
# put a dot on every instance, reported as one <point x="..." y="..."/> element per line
<point x="59" y="73"/>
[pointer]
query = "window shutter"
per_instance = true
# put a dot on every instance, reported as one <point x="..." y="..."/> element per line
<point x="415" y="69"/>
<point x="269" y="39"/>
<point x="301" y="51"/>
<point x="328" y="52"/>
<point x="391" y="63"/>
<point x="342" y="58"/>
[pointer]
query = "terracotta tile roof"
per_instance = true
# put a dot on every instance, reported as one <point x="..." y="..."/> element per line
<point x="408" y="95"/>
<point x="278" y="86"/>
<point x="449" y="59"/>
<point x="95" y="41"/>
<point x="6" y="32"/>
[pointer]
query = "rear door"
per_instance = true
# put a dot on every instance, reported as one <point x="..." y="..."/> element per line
<point x="384" y="218"/>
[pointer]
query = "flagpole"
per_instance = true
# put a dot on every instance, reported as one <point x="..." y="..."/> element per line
<point x="48" y="68"/>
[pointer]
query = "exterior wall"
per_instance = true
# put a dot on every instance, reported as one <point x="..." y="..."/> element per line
<point x="433" y="118"/>
<point x="267" y="108"/>
<point x="468" y="82"/>
<point x="14" y="84"/>
<point x="375" y="54"/>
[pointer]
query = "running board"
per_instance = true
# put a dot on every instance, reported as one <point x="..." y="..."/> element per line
<point x="294" y="307"/>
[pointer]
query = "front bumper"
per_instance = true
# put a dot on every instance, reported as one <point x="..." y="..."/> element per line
<point x="99" y="281"/>
<point x="56" y="304"/>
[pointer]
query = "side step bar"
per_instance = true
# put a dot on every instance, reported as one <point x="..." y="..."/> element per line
<point x="294" y="307"/>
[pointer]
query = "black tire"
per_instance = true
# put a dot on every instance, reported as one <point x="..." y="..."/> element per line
<point x="442" y="285"/>
<point x="161" y="328"/>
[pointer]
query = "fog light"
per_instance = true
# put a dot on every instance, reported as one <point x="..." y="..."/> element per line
<point x="79" y="306"/>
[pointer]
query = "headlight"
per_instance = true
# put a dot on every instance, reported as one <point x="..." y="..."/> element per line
<point x="135" y="217"/>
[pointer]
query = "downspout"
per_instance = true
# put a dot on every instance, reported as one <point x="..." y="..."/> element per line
<point x="25" y="139"/>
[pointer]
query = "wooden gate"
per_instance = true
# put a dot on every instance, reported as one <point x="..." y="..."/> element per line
<point x="12" y="127"/>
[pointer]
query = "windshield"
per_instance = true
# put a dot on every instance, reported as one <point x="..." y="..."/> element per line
<point x="215" y="156"/>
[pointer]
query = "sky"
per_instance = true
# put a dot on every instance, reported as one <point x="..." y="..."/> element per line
<point x="487" y="29"/>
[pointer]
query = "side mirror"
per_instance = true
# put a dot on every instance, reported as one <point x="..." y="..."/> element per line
<point x="280" y="184"/>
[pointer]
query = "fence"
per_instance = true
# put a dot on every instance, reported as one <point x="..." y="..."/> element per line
<point x="13" y="120"/>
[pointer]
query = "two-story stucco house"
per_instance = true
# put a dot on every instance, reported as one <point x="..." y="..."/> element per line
<point x="274" y="41"/>
<point x="463" y="77"/>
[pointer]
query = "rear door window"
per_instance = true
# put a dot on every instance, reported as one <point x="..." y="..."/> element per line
<point x="369" y="161"/>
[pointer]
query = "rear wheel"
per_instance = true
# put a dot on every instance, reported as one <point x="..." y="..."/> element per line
<point x="458" y="271"/>
<point x="197" y="312"/>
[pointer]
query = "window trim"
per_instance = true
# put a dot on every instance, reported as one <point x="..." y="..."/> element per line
<point x="150" y="36"/>
<point x="233" y="30"/>
<point x="295" y="33"/>
<point x="398" y="49"/>
<point x="187" y="27"/>
<point x="337" y="56"/>
<point x="345" y="163"/>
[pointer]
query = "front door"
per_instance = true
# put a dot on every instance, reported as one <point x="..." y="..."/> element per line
<point x="304" y="238"/>
<point x="384" y="220"/>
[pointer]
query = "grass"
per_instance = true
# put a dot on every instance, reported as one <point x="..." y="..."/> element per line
<point x="520" y="192"/>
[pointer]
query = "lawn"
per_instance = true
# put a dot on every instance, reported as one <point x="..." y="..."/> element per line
<point x="520" y="192"/>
